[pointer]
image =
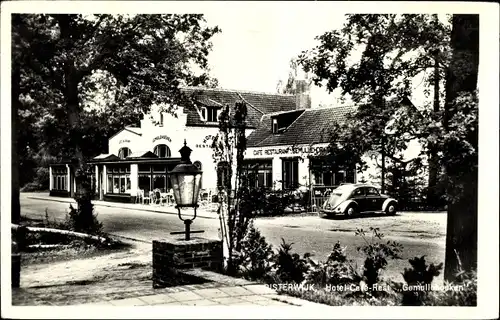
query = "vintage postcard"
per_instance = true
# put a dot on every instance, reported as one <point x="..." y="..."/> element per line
<point x="283" y="159"/>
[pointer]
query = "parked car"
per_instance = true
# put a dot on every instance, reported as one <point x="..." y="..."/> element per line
<point x="353" y="199"/>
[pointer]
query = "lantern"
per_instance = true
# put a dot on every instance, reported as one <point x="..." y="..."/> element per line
<point x="186" y="183"/>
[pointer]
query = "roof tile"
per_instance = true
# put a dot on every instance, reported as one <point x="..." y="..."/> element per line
<point x="258" y="103"/>
<point x="312" y="126"/>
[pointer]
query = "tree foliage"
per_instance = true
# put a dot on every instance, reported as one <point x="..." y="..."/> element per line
<point x="375" y="61"/>
<point x="66" y="64"/>
<point x="62" y="64"/>
<point x="235" y="211"/>
<point x="294" y="73"/>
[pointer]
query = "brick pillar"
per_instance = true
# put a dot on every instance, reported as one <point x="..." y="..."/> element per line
<point x="172" y="255"/>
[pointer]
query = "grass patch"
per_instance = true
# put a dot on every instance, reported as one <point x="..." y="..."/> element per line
<point x="46" y="247"/>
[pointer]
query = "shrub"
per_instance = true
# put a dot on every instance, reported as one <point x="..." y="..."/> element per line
<point x="376" y="255"/>
<point x="83" y="218"/>
<point x="40" y="181"/>
<point x="32" y="186"/>
<point x="290" y="267"/>
<point x="420" y="275"/>
<point x="255" y="257"/>
<point x="462" y="292"/>
<point x="335" y="270"/>
<point x="42" y="177"/>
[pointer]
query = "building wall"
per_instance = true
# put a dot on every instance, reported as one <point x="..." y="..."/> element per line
<point x="172" y="133"/>
<point x="124" y="139"/>
<point x="276" y="153"/>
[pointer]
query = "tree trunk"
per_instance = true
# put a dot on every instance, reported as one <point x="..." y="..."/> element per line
<point x="432" y="195"/>
<point x="461" y="233"/>
<point x="15" y="213"/>
<point x="82" y="180"/>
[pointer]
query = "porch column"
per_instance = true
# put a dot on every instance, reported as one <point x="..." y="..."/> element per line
<point x="134" y="179"/>
<point x="304" y="174"/>
<point x="104" y="179"/>
<point x="51" y="179"/>
<point x="277" y="173"/>
<point x="96" y="179"/>
<point x="68" y="179"/>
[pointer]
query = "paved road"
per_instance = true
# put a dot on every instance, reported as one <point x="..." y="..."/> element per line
<point x="419" y="233"/>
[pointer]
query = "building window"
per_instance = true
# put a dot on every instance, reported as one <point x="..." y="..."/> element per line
<point x="212" y="114"/>
<point x="275" y="125"/>
<point x="258" y="174"/>
<point x="203" y="113"/>
<point x="153" y="177"/>
<point x="162" y="151"/>
<point x="197" y="164"/>
<point x="324" y="178"/>
<point x="124" y="152"/>
<point x="119" y="179"/>
<point x="161" y="119"/>
<point x="323" y="174"/>
<point x="59" y="178"/>
<point x="290" y="173"/>
<point x="340" y="177"/>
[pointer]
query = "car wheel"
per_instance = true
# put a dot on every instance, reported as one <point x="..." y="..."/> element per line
<point x="391" y="209"/>
<point x="350" y="211"/>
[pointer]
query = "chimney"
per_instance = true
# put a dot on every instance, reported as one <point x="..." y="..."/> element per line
<point x="302" y="94"/>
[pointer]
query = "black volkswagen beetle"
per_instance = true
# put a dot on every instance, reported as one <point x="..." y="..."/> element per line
<point x="353" y="199"/>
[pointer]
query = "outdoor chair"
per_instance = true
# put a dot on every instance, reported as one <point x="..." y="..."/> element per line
<point x="152" y="197"/>
<point x="139" y="195"/>
<point x="170" y="197"/>
<point x="146" y="199"/>
<point x="156" y="196"/>
<point x="163" y="198"/>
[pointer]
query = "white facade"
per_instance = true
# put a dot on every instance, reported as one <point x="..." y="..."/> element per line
<point x="171" y="133"/>
<point x="302" y="153"/>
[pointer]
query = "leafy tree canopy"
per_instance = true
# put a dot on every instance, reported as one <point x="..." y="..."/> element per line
<point x="374" y="59"/>
<point x="65" y="65"/>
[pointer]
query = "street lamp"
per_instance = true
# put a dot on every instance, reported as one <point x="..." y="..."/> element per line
<point x="186" y="183"/>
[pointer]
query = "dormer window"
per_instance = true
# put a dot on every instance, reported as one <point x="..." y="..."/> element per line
<point x="212" y="114"/>
<point x="275" y="125"/>
<point x="204" y="113"/>
<point x="281" y="121"/>
<point x="209" y="114"/>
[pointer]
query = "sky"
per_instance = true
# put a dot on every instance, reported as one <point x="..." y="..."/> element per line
<point x="254" y="49"/>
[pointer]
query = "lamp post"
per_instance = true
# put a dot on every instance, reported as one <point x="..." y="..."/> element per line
<point x="186" y="183"/>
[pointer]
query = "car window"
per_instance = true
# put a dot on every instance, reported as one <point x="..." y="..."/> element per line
<point x="358" y="192"/>
<point x="371" y="192"/>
